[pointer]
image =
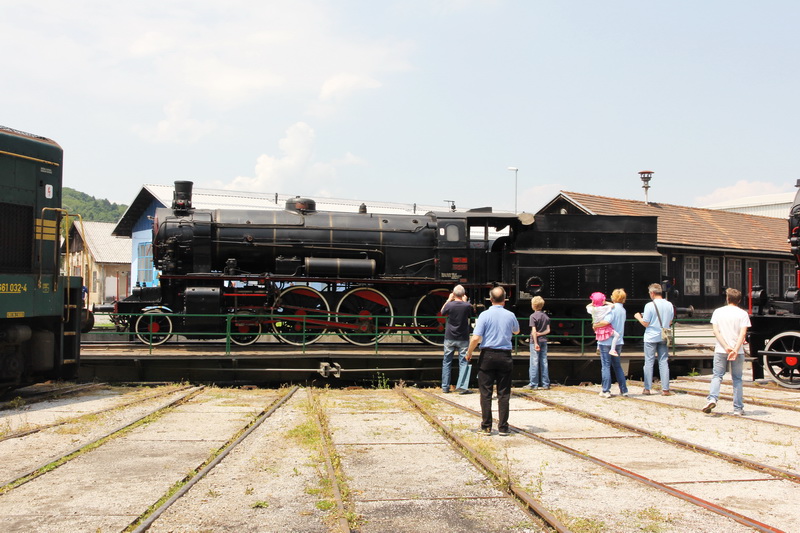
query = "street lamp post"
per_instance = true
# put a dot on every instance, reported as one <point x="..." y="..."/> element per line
<point x="515" y="169"/>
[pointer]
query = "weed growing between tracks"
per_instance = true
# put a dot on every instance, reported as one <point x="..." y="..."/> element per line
<point x="380" y="381"/>
<point x="581" y="525"/>
<point x="315" y="435"/>
<point x="650" y="519"/>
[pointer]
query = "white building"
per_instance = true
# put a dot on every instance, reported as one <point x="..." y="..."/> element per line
<point x="766" y="205"/>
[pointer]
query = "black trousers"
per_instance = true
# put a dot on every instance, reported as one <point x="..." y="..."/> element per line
<point x="495" y="368"/>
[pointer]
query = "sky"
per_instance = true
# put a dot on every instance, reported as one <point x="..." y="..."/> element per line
<point x="413" y="101"/>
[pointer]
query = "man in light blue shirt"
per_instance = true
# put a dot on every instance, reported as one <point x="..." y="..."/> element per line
<point x="658" y="315"/>
<point x="493" y="331"/>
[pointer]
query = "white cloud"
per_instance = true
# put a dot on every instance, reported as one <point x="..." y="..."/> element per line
<point x="740" y="189"/>
<point x="532" y="199"/>
<point x="176" y="127"/>
<point x="294" y="171"/>
<point x="341" y="85"/>
<point x="219" y="56"/>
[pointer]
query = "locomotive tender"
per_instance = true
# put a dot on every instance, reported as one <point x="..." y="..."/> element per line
<point x="40" y="309"/>
<point x="775" y="334"/>
<point x="304" y="275"/>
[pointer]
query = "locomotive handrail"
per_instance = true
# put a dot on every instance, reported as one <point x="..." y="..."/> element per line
<point x="403" y="326"/>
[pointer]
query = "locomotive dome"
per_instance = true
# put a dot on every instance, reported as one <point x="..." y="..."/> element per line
<point x="301" y="205"/>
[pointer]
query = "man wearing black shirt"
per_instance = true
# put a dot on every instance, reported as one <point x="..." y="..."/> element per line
<point x="456" y="338"/>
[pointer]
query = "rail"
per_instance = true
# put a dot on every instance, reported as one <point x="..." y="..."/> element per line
<point x="156" y="328"/>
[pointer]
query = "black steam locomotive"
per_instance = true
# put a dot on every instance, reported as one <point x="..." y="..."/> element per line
<point x="775" y="334"/>
<point x="303" y="275"/>
<point x="40" y="309"/>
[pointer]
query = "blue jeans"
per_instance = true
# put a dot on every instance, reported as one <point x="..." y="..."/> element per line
<point x="650" y="350"/>
<point x="607" y="362"/>
<point x="450" y="348"/>
<point x="720" y="365"/>
<point x="539" y="362"/>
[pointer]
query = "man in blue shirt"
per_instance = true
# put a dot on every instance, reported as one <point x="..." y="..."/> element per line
<point x="493" y="331"/>
<point x="658" y="315"/>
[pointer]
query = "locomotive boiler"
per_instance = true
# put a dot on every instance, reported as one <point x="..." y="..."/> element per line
<point x="303" y="275"/>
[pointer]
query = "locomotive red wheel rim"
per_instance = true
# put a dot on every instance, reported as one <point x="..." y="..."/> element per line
<point x="791" y="361"/>
<point x="155" y="327"/>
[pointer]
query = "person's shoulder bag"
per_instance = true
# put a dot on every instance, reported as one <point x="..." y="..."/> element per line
<point x="666" y="333"/>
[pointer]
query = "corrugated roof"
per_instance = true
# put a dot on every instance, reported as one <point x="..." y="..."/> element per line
<point x="102" y="245"/>
<point x="692" y="226"/>
<point x="782" y="198"/>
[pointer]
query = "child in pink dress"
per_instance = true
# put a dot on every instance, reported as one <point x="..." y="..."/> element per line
<point x="598" y="308"/>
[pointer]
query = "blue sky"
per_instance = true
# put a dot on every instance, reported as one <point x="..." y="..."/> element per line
<point x="413" y="100"/>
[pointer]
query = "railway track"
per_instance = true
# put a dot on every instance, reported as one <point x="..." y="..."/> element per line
<point x="26" y="427"/>
<point x="42" y="393"/>
<point x="64" y="457"/>
<point x="591" y="454"/>
<point x="404" y="460"/>
<point x="147" y="519"/>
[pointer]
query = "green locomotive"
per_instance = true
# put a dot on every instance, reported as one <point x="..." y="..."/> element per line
<point x="40" y="307"/>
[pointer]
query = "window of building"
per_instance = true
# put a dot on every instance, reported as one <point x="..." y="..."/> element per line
<point x="664" y="266"/>
<point x="789" y="275"/>
<point x="734" y="273"/>
<point x="144" y="262"/>
<point x="752" y="264"/>
<point x="712" y="275"/>
<point x="691" y="275"/>
<point x="773" y="278"/>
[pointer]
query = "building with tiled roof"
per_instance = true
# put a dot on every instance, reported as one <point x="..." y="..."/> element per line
<point x="103" y="260"/>
<point x="703" y="250"/>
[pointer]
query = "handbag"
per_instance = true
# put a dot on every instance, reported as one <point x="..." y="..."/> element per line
<point x="666" y="333"/>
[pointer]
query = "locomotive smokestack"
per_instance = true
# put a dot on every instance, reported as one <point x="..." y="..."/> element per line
<point x="182" y="197"/>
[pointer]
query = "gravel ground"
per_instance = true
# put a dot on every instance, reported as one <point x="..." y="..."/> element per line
<point x="403" y="475"/>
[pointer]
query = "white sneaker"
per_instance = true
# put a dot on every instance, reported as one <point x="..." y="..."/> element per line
<point x="738" y="412"/>
<point x="709" y="406"/>
<point x="605" y="395"/>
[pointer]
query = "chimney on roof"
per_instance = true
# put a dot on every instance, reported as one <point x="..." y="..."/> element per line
<point x="646" y="176"/>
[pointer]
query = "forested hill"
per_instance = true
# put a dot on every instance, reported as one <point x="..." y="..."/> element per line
<point x="90" y="208"/>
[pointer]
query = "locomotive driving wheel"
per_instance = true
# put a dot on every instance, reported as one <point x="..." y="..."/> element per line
<point x="154" y="327"/>
<point x="245" y="328"/>
<point x="365" y="314"/>
<point x="301" y="317"/>
<point x="428" y="319"/>
<point x="782" y="359"/>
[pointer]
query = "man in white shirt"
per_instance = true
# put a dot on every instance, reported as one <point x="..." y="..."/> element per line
<point x="730" y="324"/>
